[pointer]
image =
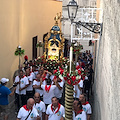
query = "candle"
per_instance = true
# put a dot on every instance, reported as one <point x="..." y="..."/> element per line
<point x="71" y="54"/>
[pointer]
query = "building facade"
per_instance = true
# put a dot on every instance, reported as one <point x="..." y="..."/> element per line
<point x="66" y="23"/>
<point x="20" y="22"/>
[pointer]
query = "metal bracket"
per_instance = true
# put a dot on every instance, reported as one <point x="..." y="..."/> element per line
<point x="93" y="27"/>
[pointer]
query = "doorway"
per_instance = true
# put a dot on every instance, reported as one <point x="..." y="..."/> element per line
<point x="34" y="48"/>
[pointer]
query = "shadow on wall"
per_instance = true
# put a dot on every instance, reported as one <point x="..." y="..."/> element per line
<point x="96" y="109"/>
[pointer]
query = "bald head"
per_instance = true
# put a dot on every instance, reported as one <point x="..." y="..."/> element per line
<point x="37" y="97"/>
<point x="30" y="100"/>
<point x="37" y="94"/>
<point x="30" y="103"/>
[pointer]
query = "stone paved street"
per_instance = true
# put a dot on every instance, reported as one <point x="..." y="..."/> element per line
<point x="12" y="115"/>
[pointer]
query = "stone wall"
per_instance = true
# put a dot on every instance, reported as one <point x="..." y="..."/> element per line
<point x="107" y="74"/>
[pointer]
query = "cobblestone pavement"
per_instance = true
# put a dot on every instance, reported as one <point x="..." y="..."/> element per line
<point x="12" y="115"/>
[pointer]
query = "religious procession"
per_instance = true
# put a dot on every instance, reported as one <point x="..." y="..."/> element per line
<point x="59" y="60"/>
<point x="54" y="86"/>
<point x="51" y="87"/>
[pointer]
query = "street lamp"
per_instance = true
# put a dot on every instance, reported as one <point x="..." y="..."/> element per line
<point x="72" y="10"/>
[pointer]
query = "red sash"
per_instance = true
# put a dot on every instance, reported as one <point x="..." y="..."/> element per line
<point x="25" y="107"/>
<point x="47" y="88"/>
<point x="57" y="109"/>
<point x="28" y="75"/>
<point x="85" y="103"/>
<point x="79" y="112"/>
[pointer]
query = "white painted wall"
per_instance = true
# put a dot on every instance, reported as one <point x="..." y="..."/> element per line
<point x="107" y="74"/>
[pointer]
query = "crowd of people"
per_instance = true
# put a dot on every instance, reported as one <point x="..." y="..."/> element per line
<point x="39" y="95"/>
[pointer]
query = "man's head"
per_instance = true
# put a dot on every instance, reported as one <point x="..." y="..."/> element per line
<point x="77" y="105"/>
<point x="38" y="77"/>
<point x="54" y="101"/>
<point x="27" y="71"/>
<point x="48" y="80"/>
<point x="41" y="71"/>
<point x="30" y="103"/>
<point x="21" y="73"/>
<point x="37" y="97"/>
<point x="80" y="62"/>
<point x="82" y="98"/>
<point x="58" y="79"/>
<point x="34" y="68"/>
<point x="30" y="63"/>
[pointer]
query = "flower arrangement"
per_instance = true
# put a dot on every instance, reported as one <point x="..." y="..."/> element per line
<point x="19" y="51"/>
<point x="64" y="63"/>
<point x="40" y="44"/>
<point x="72" y="78"/>
<point x="40" y="61"/>
<point x="51" y="65"/>
<point x="77" y="48"/>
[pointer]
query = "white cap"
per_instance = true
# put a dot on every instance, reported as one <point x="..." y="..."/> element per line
<point x="4" y="80"/>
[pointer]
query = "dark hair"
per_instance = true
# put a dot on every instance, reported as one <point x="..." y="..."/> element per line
<point x="79" y="103"/>
<point x="21" y="71"/>
<point x="27" y="68"/>
<point x="85" y="96"/>
<point x="38" y="74"/>
<point x="34" y="66"/>
<point x="48" y="80"/>
<point x="54" y="97"/>
<point x="2" y="83"/>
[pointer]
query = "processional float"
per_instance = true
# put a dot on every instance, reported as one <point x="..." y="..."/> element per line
<point x="53" y="52"/>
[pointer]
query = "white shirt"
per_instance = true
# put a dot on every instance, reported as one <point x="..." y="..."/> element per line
<point x="40" y="108"/>
<point x="23" y="113"/>
<point x="30" y="78"/>
<point x="78" y="92"/>
<point x="77" y="64"/>
<point x="33" y="75"/>
<point x="57" y="91"/>
<point x="35" y="82"/>
<point x="87" y="108"/>
<point x="48" y="96"/>
<point x="53" y="115"/>
<point x="81" y="116"/>
<point x="52" y="77"/>
<point x="23" y="82"/>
